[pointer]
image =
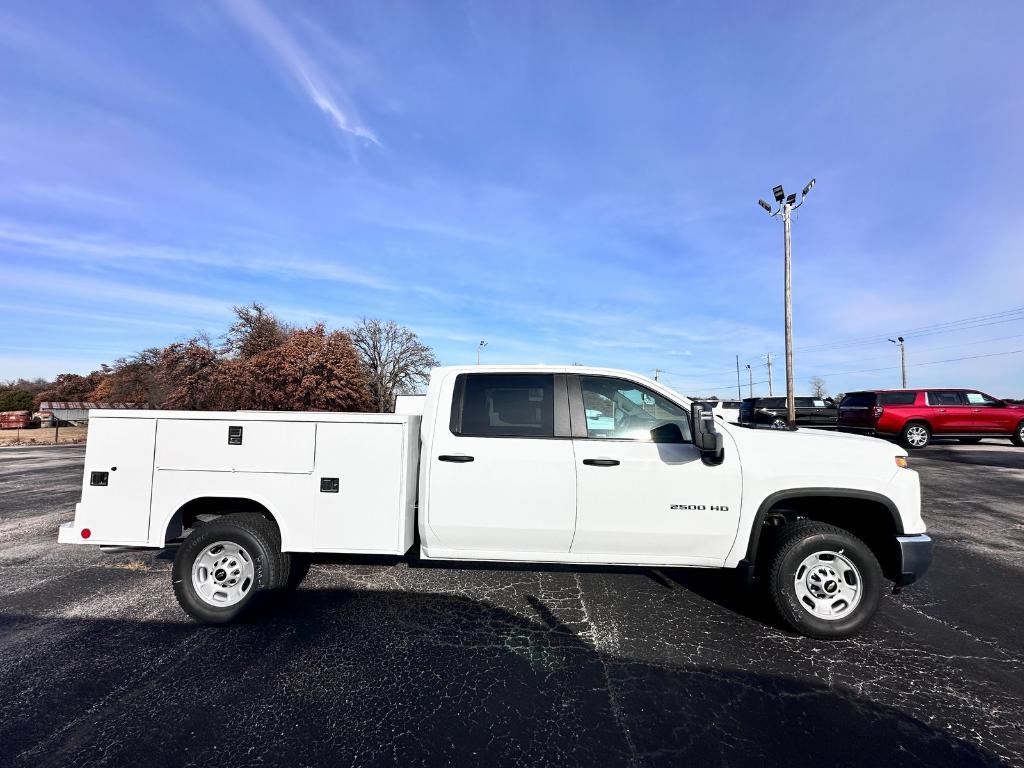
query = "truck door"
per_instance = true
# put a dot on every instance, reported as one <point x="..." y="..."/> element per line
<point x="502" y="476"/>
<point x="637" y="497"/>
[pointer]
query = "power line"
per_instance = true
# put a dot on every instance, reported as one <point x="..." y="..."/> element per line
<point x="950" y="326"/>
<point x="882" y="368"/>
<point x="979" y="321"/>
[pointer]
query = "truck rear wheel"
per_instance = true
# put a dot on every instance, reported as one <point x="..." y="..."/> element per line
<point x="825" y="582"/>
<point x="222" y="566"/>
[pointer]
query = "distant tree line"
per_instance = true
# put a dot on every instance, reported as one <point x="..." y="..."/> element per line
<point x="259" y="363"/>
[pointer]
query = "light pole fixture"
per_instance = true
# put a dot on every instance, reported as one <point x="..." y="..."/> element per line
<point x="750" y="380"/>
<point x="479" y="349"/>
<point x="786" y="207"/>
<point x="898" y="341"/>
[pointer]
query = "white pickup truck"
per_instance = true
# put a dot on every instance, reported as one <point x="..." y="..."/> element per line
<point x="539" y="464"/>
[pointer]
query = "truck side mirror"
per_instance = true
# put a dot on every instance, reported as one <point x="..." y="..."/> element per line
<point x="706" y="436"/>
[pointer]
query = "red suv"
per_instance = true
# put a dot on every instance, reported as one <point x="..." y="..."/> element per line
<point x="917" y="415"/>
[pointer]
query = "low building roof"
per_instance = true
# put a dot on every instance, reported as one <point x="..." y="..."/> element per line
<point x="83" y="406"/>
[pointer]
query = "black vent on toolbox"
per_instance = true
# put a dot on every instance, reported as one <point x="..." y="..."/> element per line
<point x="234" y="435"/>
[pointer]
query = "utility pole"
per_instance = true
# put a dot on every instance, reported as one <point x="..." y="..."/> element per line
<point x="750" y="380"/>
<point x="898" y="341"/>
<point x="739" y="388"/>
<point x="786" y="207"/>
<point x="656" y="372"/>
<point x="479" y="349"/>
<point x="769" y="357"/>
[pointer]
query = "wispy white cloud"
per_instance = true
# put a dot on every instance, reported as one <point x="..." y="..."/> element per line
<point x="68" y="196"/>
<point x="61" y="245"/>
<point x="322" y="90"/>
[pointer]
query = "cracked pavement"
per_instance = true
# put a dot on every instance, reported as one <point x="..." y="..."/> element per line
<point x="377" y="662"/>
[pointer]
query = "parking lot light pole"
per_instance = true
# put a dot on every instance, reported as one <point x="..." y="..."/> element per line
<point x="898" y="341"/>
<point x="786" y="207"/>
<point x="479" y="349"/>
<point x="750" y="380"/>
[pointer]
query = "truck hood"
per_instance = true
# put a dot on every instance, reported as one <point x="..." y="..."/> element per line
<point x="814" y="450"/>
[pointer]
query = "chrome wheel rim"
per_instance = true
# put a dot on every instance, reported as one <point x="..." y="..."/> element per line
<point x="917" y="436"/>
<point x="222" y="574"/>
<point x="828" y="585"/>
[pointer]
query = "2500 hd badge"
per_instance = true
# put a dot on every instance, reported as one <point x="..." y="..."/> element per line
<point x="701" y="507"/>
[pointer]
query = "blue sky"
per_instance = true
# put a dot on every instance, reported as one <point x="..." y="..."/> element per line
<point x="573" y="182"/>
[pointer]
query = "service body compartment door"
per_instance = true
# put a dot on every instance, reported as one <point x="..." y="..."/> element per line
<point x="359" y="488"/>
<point x="236" y="445"/>
<point x="116" y="508"/>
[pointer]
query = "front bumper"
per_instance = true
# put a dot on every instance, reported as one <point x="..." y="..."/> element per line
<point x="915" y="555"/>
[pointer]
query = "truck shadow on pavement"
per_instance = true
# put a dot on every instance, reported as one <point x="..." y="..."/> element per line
<point x="352" y="677"/>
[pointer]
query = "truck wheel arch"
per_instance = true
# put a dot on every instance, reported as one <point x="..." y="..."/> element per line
<point x="186" y="514"/>
<point x="778" y="500"/>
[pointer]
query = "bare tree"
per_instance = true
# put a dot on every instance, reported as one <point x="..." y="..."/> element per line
<point x="394" y="360"/>
<point x="818" y="387"/>
<point x="254" y="331"/>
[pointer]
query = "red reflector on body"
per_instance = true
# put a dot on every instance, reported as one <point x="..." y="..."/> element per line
<point x="86" y="533"/>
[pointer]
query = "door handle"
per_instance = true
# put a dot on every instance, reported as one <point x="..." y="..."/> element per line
<point x="458" y="458"/>
<point x="601" y="462"/>
<point x="942" y="410"/>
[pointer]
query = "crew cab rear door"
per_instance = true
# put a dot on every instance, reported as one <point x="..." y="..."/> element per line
<point x="502" y="474"/>
<point x="638" y="499"/>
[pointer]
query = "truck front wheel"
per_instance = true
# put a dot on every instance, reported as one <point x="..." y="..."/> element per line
<point x="825" y="582"/>
<point x="222" y="566"/>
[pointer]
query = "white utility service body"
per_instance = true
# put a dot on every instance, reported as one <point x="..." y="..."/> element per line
<point x="557" y="464"/>
<point x="157" y="462"/>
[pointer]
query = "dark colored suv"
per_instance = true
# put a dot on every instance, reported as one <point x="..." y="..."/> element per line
<point x="810" y="411"/>
<point x="917" y="415"/>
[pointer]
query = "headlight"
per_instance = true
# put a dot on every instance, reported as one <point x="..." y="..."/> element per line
<point x="902" y="463"/>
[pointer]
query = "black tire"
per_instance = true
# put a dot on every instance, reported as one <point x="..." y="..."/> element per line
<point x="298" y="571"/>
<point x="970" y="440"/>
<point x="915" y="435"/>
<point x="801" y="540"/>
<point x="1018" y="436"/>
<point x="260" y="540"/>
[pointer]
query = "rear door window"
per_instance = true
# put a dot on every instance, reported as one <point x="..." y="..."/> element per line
<point x="504" y="405"/>
<point x="944" y="397"/>
<point x="897" y="398"/>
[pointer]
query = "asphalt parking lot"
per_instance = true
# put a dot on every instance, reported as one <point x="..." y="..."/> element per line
<point x="378" y="663"/>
